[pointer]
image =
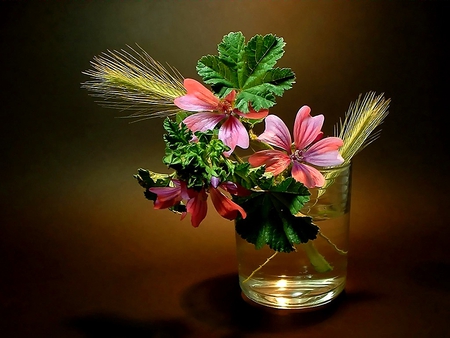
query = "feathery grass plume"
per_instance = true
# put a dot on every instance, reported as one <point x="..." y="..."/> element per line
<point x="134" y="81"/>
<point x="357" y="130"/>
<point x="362" y="118"/>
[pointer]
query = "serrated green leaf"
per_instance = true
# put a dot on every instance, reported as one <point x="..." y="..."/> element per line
<point x="196" y="162"/>
<point x="260" y="55"/>
<point x="271" y="216"/>
<point x="249" y="69"/>
<point x="267" y="222"/>
<point x="291" y="194"/>
<point x="231" y="48"/>
<point x="266" y="49"/>
<point x="244" y="175"/>
<point x="258" y="99"/>
<point x="217" y="73"/>
<point x="275" y="80"/>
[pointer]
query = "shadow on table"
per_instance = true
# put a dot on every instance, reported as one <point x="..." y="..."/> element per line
<point x="104" y="325"/>
<point x="218" y="303"/>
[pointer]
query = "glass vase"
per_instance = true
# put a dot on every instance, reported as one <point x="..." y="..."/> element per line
<point x="315" y="273"/>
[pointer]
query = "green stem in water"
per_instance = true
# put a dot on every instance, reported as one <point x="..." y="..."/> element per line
<point x="319" y="262"/>
<point x="341" y="252"/>
<point x="260" y="267"/>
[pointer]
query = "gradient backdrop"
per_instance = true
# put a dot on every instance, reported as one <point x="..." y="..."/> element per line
<point x="83" y="254"/>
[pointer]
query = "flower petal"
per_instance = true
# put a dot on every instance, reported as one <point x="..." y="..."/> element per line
<point x="233" y="133"/>
<point x="234" y="189"/>
<point x="231" y="96"/>
<point x="276" y="133"/>
<point x="166" y="197"/>
<point x="192" y="103"/>
<point x="307" y="175"/>
<point x="325" y="152"/>
<point x="306" y="127"/>
<point x="198" y="97"/>
<point x="224" y="206"/>
<point x="275" y="160"/>
<point x="197" y="207"/>
<point x="215" y="181"/>
<point x="184" y="189"/>
<point x="256" y="115"/>
<point x="203" y="121"/>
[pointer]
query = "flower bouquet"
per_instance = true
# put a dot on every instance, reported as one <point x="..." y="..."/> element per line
<point x="276" y="188"/>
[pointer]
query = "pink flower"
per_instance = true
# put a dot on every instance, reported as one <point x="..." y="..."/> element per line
<point x="196" y="201"/>
<point x="307" y="130"/>
<point x="212" y="111"/>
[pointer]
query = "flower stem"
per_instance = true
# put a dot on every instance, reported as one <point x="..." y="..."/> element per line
<point x="340" y="251"/>
<point x="236" y="158"/>
<point x="260" y="267"/>
<point x="319" y="262"/>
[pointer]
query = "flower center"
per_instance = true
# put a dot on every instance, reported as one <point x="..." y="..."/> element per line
<point x="297" y="155"/>
<point x="226" y="107"/>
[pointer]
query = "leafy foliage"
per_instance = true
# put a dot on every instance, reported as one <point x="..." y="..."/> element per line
<point x="271" y="216"/>
<point x="248" y="68"/>
<point x="271" y="209"/>
<point x="195" y="162"/>
<point x="245" y="175"/>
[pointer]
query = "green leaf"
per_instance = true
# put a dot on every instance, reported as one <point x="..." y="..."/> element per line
<point x="261" y="54"/>
<point x="177" y="134"/>
<point x="231" y="48"/>
<point x="271" y="217"/>
<point x="148" y="179"/>
<point x="246" y="176"/>
<point x="217" y="73"/>
<point x="180" y="116"/>
<point x="196" y="162"/>
<point x="291" y="194"/>
<point x="249" y="69"/>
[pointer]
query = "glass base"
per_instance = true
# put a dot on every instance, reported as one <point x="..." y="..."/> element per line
<point x="292" y="293"/>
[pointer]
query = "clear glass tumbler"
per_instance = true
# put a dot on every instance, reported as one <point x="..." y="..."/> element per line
<point x="315" y="273"/>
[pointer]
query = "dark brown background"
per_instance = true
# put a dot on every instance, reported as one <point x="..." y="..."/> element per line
<point x="83" y="254"/>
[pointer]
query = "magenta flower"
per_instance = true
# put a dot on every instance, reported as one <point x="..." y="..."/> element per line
<point x="196" y="201"/>
<point x="169" y="196"/>
<point x="197" y="206"/>
<point x="213" y="110"/>
<point x="304" y="151"/>
<point x="225" y="206"/>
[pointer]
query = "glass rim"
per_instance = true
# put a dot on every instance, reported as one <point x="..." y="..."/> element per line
<point x="342" y="166"/>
